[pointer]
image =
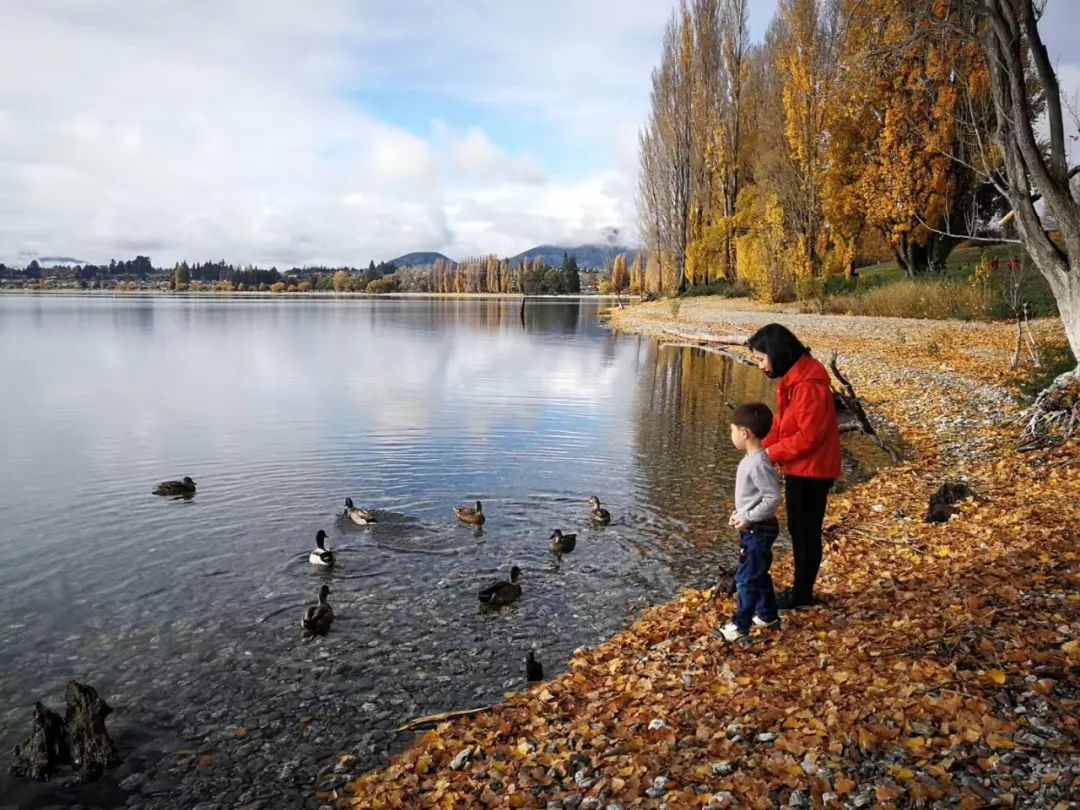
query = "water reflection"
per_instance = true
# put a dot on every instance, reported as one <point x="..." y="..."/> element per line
<point x="280" y="409"/>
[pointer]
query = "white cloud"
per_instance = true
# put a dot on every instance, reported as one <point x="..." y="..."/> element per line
<point x="232" y="130"/>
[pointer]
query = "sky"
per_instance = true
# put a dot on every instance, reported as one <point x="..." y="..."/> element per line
<point x="282" y="132"/>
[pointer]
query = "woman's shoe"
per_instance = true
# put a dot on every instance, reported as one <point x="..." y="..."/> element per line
<point x="787" y="600"/>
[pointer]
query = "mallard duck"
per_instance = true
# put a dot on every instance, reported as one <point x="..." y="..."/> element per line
<point x="176" y="489"/>
<point x="356" y="515"/>
<point x="534" y="670"/>
<point x="318" y="618"/>
<point x="599" y="515"/>
<point x="502" y="592"/>
<point x="320" y="555"/>
<point x="562" y="543"/>
<point x="474" y="517"/>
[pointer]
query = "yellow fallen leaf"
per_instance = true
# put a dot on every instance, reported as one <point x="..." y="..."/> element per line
<point x="996" y="740"/>
<point x="997" y="676"/>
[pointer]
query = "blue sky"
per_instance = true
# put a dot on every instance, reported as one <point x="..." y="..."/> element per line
<point x="331" y="131"/>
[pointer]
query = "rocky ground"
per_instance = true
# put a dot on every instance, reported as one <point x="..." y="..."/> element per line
<point x="942" y="668"/>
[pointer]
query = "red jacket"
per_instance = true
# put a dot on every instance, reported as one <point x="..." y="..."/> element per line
<point x="805" y="439"/>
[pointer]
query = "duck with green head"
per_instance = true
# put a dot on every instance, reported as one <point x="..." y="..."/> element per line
<point x="502" y="592"/>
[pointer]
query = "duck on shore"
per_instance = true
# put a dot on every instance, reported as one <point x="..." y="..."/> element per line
<point x="600" y="516"/>
<point x="502" y="592"/>
<point x="176" y="489"/>
<point x="318" y="618"/>
<point x="562" y="543"/>
<point x="473" y="517"/>
<point x="321" y="555"/>
<point x="361" y="517"/>
<point x="534" y="670"/>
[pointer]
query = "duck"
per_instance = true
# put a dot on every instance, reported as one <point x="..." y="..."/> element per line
<point x="599" y="515"/>
<point x="176" y="489"/>
<point x="534" y="670"/>
<point x="320" y="555"/>
<point x="358" y="516"/>
<point x="502" y="592"/>
<point x="474" y="517"/>
<point x="562" y="543"/>
<point x="318" y="618"/>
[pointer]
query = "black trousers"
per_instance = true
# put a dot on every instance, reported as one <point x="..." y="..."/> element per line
<point x="805" y="499"/>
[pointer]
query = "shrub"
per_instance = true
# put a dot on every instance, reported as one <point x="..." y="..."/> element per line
<point x="277" y="286"/>
<point x="727" y="289"/>
<point x="304" y="286"/>
<point x="382" y="285"/>
<point x="933" y="299"/>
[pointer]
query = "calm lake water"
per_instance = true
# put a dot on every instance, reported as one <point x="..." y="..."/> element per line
<point x="185" y="615"/>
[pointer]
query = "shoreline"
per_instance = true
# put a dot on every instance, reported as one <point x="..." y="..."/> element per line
<point x="938" y="668"/>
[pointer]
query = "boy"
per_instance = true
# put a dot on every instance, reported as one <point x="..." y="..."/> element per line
<point x="757" y="497"/>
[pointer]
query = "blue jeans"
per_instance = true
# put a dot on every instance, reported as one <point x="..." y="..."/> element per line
<point x="753" y="584"/>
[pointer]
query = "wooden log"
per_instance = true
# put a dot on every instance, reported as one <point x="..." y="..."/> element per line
<point x="47" y="748"/>
<point x="439" y="717"/>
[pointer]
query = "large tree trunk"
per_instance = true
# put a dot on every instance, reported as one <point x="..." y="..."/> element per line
<point x="1011" y="41"/>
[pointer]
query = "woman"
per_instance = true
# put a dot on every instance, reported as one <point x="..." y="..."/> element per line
<point x="804" y="444"/>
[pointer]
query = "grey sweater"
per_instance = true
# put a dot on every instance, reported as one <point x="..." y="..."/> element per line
<point x="757" y="488"/>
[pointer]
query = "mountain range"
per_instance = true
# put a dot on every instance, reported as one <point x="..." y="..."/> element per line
<point x="589" y="257"/>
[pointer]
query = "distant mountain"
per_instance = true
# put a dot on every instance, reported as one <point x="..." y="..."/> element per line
<point x="589" y="257"/>
<point x="420" y="259"/>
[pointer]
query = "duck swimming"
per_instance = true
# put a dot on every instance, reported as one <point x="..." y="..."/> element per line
<point x="318" y="618"/>
<point x="361" y="517"/>
<point x="562" y="543"/>
<point x="176" y="489"/>
<point x="474" y="517"/>
<point x="600" y="516"/>
<point x="502" y="592"/>
<point x="320" y="555"/>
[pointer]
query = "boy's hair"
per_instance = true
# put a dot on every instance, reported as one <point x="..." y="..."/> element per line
<point x="781" y="346"/>
<point x="755" y="417"/>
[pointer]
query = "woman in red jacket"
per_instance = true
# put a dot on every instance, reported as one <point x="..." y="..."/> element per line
<point x="804" y="444"/>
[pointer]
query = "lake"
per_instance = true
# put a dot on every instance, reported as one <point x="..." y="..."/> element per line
<point x="185" y="614"/>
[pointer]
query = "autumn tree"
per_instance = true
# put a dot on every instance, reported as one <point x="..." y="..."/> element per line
<point x="341" y="281"/>
<point x="665" y="179"/>
<point x="637" y="276"/>
<point x="620" y="276"/>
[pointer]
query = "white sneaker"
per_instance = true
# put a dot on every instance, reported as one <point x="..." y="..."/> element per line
<point x="729" y="632"/>
<point x="760" y="622"/>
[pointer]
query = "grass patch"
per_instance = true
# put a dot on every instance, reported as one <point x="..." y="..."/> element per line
<point x="1056" y="360"/>
<point x="959" y="268"/>
<point x="935" y="299"/>
<point x="725" y="289"/>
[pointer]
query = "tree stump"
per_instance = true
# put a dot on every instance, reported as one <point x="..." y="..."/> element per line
<point x="46" y="749"/>
<point x="93" y="751"/>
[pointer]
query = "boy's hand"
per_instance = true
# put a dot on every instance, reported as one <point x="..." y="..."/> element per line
<point x="740" y="523"/>
<point x="731" y="518"/>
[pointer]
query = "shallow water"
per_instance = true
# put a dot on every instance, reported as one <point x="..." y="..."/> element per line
<point x="185" y="615"/>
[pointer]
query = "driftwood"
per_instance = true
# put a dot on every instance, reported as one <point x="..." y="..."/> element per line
<point x="93" y="751"/>
<point x="47" y="748"/>
<point x="432" y="719"/>
<point x="853" y="404"/>
<point x="79" y="739"/>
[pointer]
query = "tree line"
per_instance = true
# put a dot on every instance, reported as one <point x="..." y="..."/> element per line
<point x="854" y="124"/>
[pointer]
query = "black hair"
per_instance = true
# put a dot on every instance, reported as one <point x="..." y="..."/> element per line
<point x="755" y="417"/>
<point x="780" y="345"/>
